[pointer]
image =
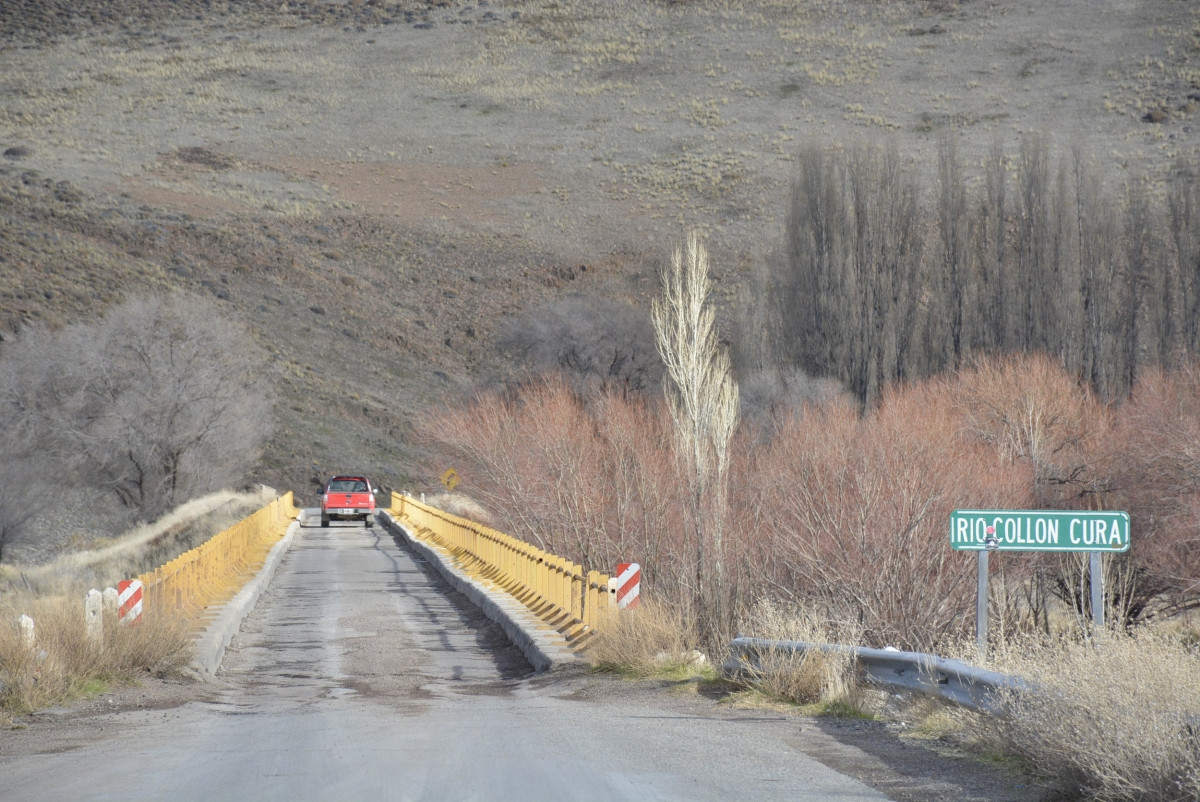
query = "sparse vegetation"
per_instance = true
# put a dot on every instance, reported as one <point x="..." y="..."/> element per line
<point x="817" y="680"/>
<point x="1112" y="718"/>
<point x="64" y="664"/>
<point x="145" y="547"/>
<point x="653" y="639"/>
<point x="598" y="343"/>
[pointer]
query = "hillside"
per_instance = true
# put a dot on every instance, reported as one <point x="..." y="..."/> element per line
<point x="374" y="186"/>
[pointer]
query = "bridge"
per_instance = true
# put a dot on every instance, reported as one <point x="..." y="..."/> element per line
<point x="424" y="657"/>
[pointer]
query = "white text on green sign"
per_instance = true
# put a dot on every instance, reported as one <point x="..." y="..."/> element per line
<point x="1039" y="530"/>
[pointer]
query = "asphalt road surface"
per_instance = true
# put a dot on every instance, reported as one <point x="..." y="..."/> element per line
<point x="361" y="676"/>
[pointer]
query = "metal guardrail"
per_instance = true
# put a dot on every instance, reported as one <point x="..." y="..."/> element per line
<point x="976" y="688"/>
<point x="573" y="601"/>
<point x="214" y="571"/>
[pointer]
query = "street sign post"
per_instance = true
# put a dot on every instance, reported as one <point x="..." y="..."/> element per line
<point x="984" y="531"/>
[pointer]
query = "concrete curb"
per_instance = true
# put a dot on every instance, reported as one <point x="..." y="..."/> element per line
<point x="211" y="643"/>
<point x="544" y="648"/>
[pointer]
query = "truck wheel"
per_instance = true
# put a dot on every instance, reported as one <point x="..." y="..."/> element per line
<point x="367" y="521"/>
<point x="325" y="520"/>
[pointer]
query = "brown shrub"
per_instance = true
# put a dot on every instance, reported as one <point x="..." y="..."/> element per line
<point x="593" y="483"/>
<point x="1154" y="459"/>
<point x="1029" y="409"/>
<point x="848" y="510"/>
<point x="858" y="507"/>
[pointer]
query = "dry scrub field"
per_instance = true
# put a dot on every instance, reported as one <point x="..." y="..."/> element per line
<point x="373" y="185"/>
<point x="585" y="126"/>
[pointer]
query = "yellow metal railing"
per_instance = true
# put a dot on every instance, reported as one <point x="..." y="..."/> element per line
<point x="214" y="571"/>
<point x="561" y="593"/>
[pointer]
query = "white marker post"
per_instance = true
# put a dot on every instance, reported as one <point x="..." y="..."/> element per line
<point x="93" y="610"/>
<point x="28" y="636"/>
<point x="110" y="600"/>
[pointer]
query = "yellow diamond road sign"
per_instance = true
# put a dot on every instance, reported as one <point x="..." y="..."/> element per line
<point x="450" y="479"/>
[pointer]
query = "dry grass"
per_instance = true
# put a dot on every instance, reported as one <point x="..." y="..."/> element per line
<point x="827" y="680"/>
<point x="142" y="549"/>
<point x="1115" y="720"/>
<point x="648" y="641"/>
<point x="461" y="505"/>
<point x="65" y="664"/>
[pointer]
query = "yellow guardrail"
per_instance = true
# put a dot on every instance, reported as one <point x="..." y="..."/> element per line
<point x="214" y="571"/>
<point x="575" y="602"/>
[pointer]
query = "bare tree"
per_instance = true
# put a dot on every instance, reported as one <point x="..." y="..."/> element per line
<point x="703" y="399"/>
<point x="889" y="250"/>
<point x="1035" y="267"/>
<point x="1183" y="205"/>
<point x="31" y="384"/>
<point x="849" y="305"/>
<point x="174" y="404"/>
<point x="770" y="393"/>
<point x="595" y="341"/>
<point x="161" y="400"/>
<point x="996" y="285"/>
<point x="954" y="230"/>
<point x="1049" y="261"/>
<point x="809" y="292"/>
<point x="1128" y="290"/>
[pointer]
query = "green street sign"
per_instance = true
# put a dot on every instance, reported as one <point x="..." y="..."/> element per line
<point x="1039" y="530"/>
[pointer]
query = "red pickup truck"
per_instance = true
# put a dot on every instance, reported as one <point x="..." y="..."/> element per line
<point x="348" y="498"/>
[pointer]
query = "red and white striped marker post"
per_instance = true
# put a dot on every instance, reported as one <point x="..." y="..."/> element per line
<point x="629" y="585"/>
<point x="129" y="601"/>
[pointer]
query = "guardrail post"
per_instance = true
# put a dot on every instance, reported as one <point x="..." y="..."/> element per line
<point x="560" y="583"/>
<point x="554" y="581"/>
<point x="575" y="592"/>
<point x="591" y="601"/>
<point x="564" y="585"/>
